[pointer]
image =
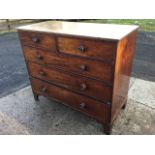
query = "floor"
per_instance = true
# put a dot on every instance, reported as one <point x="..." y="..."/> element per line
<point x="20" y="114"/>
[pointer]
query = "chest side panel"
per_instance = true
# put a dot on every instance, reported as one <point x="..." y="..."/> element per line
<point x="123" y="67"/>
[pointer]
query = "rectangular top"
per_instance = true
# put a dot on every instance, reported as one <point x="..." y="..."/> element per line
<point x="93" y="30"/>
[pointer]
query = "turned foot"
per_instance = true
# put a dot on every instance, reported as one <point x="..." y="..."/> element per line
<point x="107" y="129"/>
<point x="36" y="96"/>
<point x="124" y="106"/>
<point x="125" y="103"/>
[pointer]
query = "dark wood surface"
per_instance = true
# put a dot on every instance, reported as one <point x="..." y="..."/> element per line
<point x="88" y="74"/>
<point x="100" y="50"/>
<point x="92" y="69"/>
<point x="91" y="107"/>
<point x="86" y="86"/>
<point x="34" y="39"/>
<point x="123" y="66"/>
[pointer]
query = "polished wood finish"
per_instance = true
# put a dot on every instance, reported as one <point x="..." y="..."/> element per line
<point x="81" y="103"/>
<point x="123" y="66"/>
<point x="99" y="50"/>
<point x="86" y="30"/>
<point x="93" y="69"/>
<point x="85" y="66"/>
<point x="34" y="39"/>
<point x="81" y="85"/>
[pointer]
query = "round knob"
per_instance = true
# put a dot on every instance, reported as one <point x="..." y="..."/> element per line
<point x="82" y="105"/>
<point x="81" y="48"/>
<point x="44" y="89"/>
<point x="83" y="67"/>
<point x="42" y="73"/>
<point x="35" y="40"/>
<point x="38" y="57"/>
<point x="83" y="86"/>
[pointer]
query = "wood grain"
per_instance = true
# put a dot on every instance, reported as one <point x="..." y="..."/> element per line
<point x="123" y="66"/>
<point x="85" y="86"/>
<point x="84" y="66"/>
<point x="87" y="30"/>
<point x="43" y="40"/>
<point x="99" y="50"/>
<point x="92" y="107"/>
<point x="94" y="69"/>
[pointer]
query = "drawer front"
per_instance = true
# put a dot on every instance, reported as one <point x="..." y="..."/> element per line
<point x="101" y="50"/>
<point x="85" y="86"/>
<point x="35" y="39"/>
<point x="89" y="106"/>
<point x="88" y="68"/>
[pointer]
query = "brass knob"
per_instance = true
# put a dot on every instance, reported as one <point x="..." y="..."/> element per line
<point x="44" y="89"/>
<point x="83" y="86"/>
<point x="82" y="105"/>
<point x="42" y="73"/>
<point x="39" y="57"/>
<point x="83" y="67"/>
<point x="35" y="40"/>
<point x="81" y="48"/>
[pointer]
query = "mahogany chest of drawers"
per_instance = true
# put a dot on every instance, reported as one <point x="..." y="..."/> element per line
<point x="83" y="65"/>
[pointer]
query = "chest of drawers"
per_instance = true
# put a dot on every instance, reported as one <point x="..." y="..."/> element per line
<point x="83" y="65"/>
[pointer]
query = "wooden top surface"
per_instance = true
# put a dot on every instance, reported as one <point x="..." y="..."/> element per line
<point x="102" y="31"/>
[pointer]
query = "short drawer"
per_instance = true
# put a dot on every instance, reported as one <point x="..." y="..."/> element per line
<point x="92" y="69"/>
<point x="85" y="86"/>
<point x="36" y="39"/>
<point x="84" y="104"/>
<point x="101" y="50"/>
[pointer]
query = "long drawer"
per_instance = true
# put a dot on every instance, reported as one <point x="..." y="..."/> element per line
<point x="88" y="68"/>
<point x="84" y="104"/>
<point x="91" y="88"/>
